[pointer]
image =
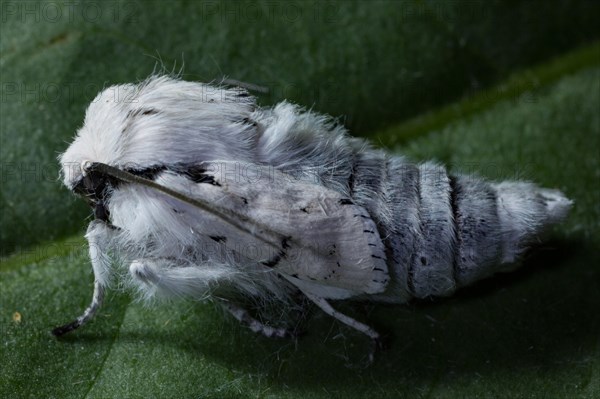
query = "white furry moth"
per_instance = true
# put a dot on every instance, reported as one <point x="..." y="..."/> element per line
<point x="201" y="193"/>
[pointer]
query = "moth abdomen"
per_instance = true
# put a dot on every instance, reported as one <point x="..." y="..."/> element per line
<point x="478" y="229"/>
<point x="450" y="231"/>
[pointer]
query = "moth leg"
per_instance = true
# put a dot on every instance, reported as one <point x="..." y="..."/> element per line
<point x="88" y="314"/>
<point x="172" y="277"/>
<point x="244" y="317"/>
<point x="349" y="321"/>
<point x="98" y="236"/>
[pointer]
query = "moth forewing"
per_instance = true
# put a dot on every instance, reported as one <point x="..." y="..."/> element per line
<point x="328" y="240"/>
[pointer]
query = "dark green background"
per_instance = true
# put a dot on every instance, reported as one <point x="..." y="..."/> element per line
<point x="503" y="89"/>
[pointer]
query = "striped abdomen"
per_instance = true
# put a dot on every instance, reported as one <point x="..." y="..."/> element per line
<point x="444" y="232"/>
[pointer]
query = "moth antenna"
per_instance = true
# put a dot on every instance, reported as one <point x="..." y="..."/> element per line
<point x="226" y="215"/>
<point x="88" y="314"/>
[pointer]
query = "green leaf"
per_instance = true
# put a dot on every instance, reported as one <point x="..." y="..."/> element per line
<point x="532" y="333"/>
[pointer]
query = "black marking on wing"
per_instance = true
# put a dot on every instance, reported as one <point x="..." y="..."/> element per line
<point x="198" y="174"/>
<point x="149" y="173"/>
<point x="376" y="257"/>
<point x="218" y="238"/>
<point x="273" y="262"/>
<point x="141" y="111"/>
<point x="332" y="249"/>
<point x="346" y="201"/>
<point x="248" y="121"/>
<point x="369" y="231"/>
<point x="131" y="114"/>
<point x="281" y="254"/>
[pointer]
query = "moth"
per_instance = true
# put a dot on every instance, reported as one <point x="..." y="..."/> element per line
<point x="198" y="192"/>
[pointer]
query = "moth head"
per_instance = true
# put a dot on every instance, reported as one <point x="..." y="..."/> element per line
<point x="159" y="122"/>
<point x="98" y="139"/>
<point x="95" y="187"/>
